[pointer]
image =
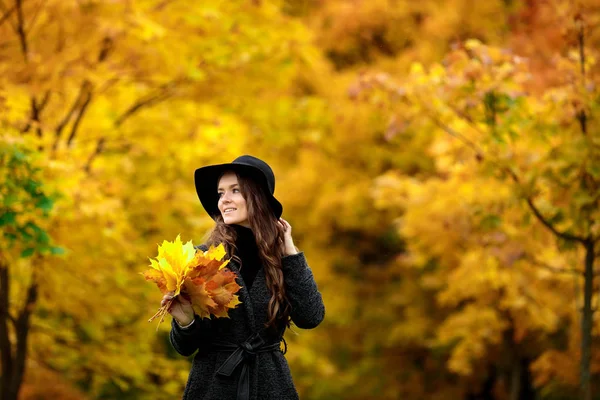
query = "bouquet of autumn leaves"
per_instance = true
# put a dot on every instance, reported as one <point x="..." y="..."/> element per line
<point x="199" y="276"/>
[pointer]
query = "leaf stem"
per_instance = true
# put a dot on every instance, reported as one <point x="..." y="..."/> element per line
<point x="162" y="311"/>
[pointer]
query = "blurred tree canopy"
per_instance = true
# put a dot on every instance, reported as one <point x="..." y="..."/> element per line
<point x="438" y="160"/>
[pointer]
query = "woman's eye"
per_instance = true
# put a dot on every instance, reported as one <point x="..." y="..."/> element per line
<point x="236" y="190"/>
<point x="219" y="195"/>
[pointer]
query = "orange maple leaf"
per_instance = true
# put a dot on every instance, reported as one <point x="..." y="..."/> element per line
<point x="199" y="296"/>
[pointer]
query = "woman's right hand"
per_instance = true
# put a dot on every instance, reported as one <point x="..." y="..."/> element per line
<point x="181" y="308"/>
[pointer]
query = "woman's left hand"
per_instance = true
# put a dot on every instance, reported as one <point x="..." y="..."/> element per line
<point x="288" y="242"/>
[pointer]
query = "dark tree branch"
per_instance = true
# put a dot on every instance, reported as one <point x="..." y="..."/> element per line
<point x="538" y="214"/>
<point x="97" y="151"/>
<point x="36" y="111"/>
<point x="552" y="228"/>
<point x="7" y="14"/>
<point x="21" y="30"/>
<point x="83" y="90"/>
<point x="82" y="101"/>
<point x="33" y="117"/>
<point x="82" y="110"/>
<point x="131" y="111"/>
<point x="147" y="101"/>
<point x="7" y="10"/>
<point x="481" y="156"/>
<point x="106" y="47"/>
<point x="44" y="101"/>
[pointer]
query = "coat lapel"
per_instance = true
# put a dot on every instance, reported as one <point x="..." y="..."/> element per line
<point x="244" y="295"/>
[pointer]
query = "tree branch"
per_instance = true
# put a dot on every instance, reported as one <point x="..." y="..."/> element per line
<point x="12" y="319"/>
<point x="44" y="101"/>
<point x="107" y="46"/>
<point x="148" y="101"/>
<point x="82" y="110"/>
<point x="481" y="156"/>
<point x="552" y="228"/>
<point x="7" y="14"/>
<point x="21" y="30"/>
<point x="478" y="152"/>
<point x="36" y="111"/>
<point x="554" y="269"/>
<point x="145" y="101"/>
<point x="538" y="214"/>
<point x="581" y="116"/>
<point x="97" y="151"/>
<point x="131" y="111"/>
<point x="9" y="11"/>
<point x="83" y="90"/>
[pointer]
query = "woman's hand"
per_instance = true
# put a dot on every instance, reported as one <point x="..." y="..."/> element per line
<point x="288" y="242"/>
<point x="181" y="308"/>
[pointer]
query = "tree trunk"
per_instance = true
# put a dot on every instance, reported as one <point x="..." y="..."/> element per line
<point x="13" y="358"/>
<point x="5" y="346"/>
<point x="22" y="330"/>
<point x="586" y="323"/>
<point x="515" y="380"/>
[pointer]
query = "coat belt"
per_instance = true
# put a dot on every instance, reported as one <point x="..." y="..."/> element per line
<point x="241" y="354"/>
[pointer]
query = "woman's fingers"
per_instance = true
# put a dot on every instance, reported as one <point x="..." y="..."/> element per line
<point x="284" y="223"/>
<point x="166" y="298"/>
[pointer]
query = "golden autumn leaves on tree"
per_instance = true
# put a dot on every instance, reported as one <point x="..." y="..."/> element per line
<point x="96" y="87"/>
<point x="503" y="141"/>
<point x="455" y="287"/>
<point x="200" y="276"/>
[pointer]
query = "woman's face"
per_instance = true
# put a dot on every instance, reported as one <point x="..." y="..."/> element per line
<point x="232" y="204"/>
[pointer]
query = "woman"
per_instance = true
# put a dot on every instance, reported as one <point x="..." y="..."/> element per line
<point x="240" y="357"/>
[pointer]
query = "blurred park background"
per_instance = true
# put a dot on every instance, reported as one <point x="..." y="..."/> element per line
<point x="439" y="162"/>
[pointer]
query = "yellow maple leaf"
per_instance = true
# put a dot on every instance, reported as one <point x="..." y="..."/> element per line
<point x="173" y="262"/>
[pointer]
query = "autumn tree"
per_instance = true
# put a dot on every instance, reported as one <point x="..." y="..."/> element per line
<point x="25" y="207"/>
<point x="542" y="147"/>
<point x="122" y="100"/>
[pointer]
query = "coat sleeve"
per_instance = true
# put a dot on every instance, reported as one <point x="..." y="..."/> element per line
<point x="198" y="336"/>
<point x="308" y="309"/>
<point x="187" y="341"/>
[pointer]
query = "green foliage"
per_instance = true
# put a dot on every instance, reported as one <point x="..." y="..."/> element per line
<point x="26" y="203"/>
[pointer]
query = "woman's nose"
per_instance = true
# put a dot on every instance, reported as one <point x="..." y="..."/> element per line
<point x="225" y="198"/>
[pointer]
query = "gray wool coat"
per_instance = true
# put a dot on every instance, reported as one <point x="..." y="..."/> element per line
<point x="269" y="373"/>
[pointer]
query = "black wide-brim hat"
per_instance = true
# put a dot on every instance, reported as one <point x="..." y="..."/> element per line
<point x="207" y="179"/>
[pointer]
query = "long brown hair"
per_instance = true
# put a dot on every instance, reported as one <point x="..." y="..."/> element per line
<point x="269" y="240"/>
